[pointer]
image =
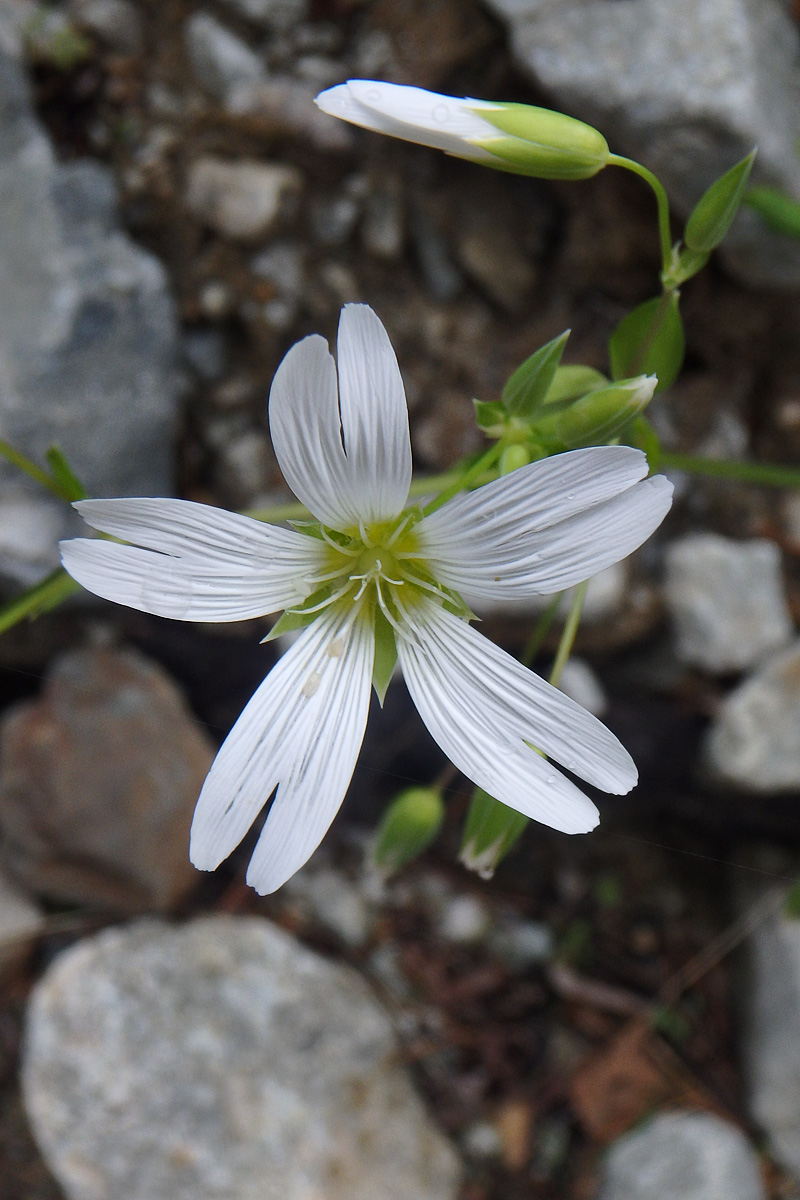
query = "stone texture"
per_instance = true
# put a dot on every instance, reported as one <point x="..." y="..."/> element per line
<point x="117" y="22"/>
<point x="222" y="1061"/>
<point x="272" y="14"/>
<point x="220" y="60"/>
<point x="87" y="330"/>
<point x="727" y="601"/>
<point x="683" y="1156"/>
<point x="753" y="742"/>
<point x="20" y="922"/>
<point x="98" y="782"/>
<point x="770" y="1045"/>
<point x="686" y="86"/>
<point x="241" y="200"/>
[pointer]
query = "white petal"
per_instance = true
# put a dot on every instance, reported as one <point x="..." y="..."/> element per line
<point x="199" y="564"/>
<point x="301" y="731"/>
<point x="374" y="415"/>
<point x="482" y="706"/>
<point x="348" y="461"/>
<point x="428" y="118"/>
<point x="306" y="431"/>
<point x="546" y="526"/>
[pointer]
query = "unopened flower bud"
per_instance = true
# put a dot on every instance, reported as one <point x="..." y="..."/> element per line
<point x="510" y="137"/>
<point x="491" y="830"/>
<point x="597" y="417"/>
<point x="409" y="825"/>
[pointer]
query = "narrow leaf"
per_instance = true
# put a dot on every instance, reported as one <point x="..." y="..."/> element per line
<point x="776" y="209"/>
<point x="525" y="391"/>
<point x="712" y="215"/>
<point x="67" y="481"/>
<point x="649" y="341"/>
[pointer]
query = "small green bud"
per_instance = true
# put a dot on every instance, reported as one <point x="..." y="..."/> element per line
<point x="543" y="143"/>
<point x="514" y="456"/>
<point x="598" y="416"/>
<point x="712" y="215"/>
<point x="492" y="829"/>
<point x="409" y="825"/>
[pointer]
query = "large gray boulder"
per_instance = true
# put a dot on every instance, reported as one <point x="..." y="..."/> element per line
<point x="88" y="332"/>
<point x="222" y="1061"/>
<point x="687" y="87"/>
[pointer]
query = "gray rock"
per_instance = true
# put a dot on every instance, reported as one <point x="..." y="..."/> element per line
<point x="271" y="14"/>
<point x="770" y="1046"/>
<point x="87" y="329"/>
<point x="220" y="60"/>
<point x="222" y="1061"/>
<point x="753" y="742"/>
<point x="726" y="599"/>
<point x="117" y="22"/>
<point x="327" y="897"/>
<point x="688" y="87"/>
<point x="98" y="782"/>
<point x="286" y="107"/>
<point x="683" y="1156"/>
<point x="20" y="922"/>
<point x="242" y="470"/>
<point x="241" y="200"/>
<point x="581" y="684"/>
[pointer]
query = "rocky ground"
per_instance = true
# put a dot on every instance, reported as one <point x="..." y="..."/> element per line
<point x="176" y="214"/>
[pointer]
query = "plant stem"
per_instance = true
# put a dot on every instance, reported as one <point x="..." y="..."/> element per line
<point x="664" y="231"/>
<point x="30" y="468"/>
<point x="540" y="631"/>
<point x="570" y="630"/>
<point x="765" y="474"/>
<point x="43" y="596"/>
<point x="467" y="478"/>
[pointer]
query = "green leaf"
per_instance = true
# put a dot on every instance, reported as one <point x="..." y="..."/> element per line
<point x="409" y="825"/>
<point x="573" y="381"/>
<point x="490" y="416"/>
<point x="712" y="215"/>
<point x="491" y="830"/>
<point x="644" y="437"/>
<point x="776" y="209"/>
<point x="385" y="655"/>
<point x="65" y="478"/>
<point x="649" y="340"/>
<point x="525" y="391"/>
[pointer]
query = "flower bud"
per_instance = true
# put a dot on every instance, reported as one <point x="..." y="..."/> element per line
<point x="491" y="830"/>
<point x="409" y="825"/>
<point x="513" y="457"/>
<point x="510" y="137"/>
<point x="598" y="416"/>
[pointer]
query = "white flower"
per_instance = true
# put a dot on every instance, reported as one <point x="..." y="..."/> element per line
<point x="346" y="454"/>
<point x="512" y="137"/>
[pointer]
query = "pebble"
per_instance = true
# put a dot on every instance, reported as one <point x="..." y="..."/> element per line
<point x="464" y="920"/>
<point x="383" y="227"/>
<point x="243" y="467"/>
<point x="98" y="781"/>
<point x="118" y="22"/>
<point x="271" y="14"/>
<point x="221" y="1060"/>
<point x="726" y="600"/>
<point x="242" y="200"/>
<point x="206" y="351"/>
<point x="522" y="944"/>
<point x="326" y="896"/>
<point x="581" y="684"/>
<point x="21" y="921"/>
<point x="753" y="742"/>
<point x="682" y="1156"/>
<point x="220" y="60"/>
<point x="686" y="88"/>
<point x="286" y="105"/>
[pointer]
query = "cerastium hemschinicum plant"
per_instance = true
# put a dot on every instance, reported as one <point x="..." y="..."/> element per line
<point x="370" y="578"/>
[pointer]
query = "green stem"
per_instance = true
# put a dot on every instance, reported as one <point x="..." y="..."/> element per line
<point x="43" y="596"/>
<point x="765" y="474"/>
<point x="664" y="231"/>
<point x="540" y="631"/>
<point x="467" y="478"/>
<point x="30" y="468"/>
<point x="570" y="630"/>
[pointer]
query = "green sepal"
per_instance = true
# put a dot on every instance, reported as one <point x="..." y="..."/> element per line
<point x="649" y="340"/>
<point x="543" y="143"/>
<point x="526" y="389"/>
<point x="299" y="617"/>
<point x="491" y="416"/>
<point x="777" y="210"/>
<point x="573" y="381"/>
<point x="385" y="655"/>
<point x="64" y="477"/>
<point x="711" y="217"/>
<point x="491" y="830"/>
<point x="596" y="418"/>
<point x="409" y="825"/>
<point x="685" y="264"/>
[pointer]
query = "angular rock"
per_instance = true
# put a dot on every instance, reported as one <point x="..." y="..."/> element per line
<point x="753" y="742"/>
<point x="241" y="200"/>
<point x="220" y="60"/>
<point x="88" y="337"/>
<point x="222" y="1060"/>
<point x="98" y="782"/>
<point x="686" y="87"/>
<point x="683" y="1156"/>
<point x="20" y="922"/>
<point x="770" y="1046"/>
<point x="727" y="601"/>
